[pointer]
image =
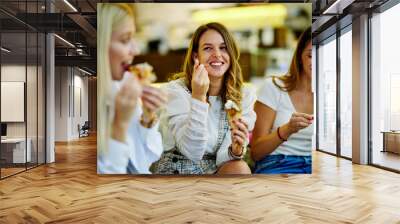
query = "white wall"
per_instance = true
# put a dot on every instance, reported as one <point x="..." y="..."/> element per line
<point x="82" y="83"/>
<point x="16" y="73"/>
<point x="61" y="103"/>
<point x="12" y="101"/>
<point x="13" y="73"/>
<point x="71" y="93"/>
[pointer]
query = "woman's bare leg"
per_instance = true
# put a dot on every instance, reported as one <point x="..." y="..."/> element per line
<point x="234" y="167"/>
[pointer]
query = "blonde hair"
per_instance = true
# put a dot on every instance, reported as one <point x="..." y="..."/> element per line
<point x="233" y="79"/>
<point x="108" y="16"/>
<point x="291" y="79"/>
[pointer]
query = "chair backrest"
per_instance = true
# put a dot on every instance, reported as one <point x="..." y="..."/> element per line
<point x="86" y="125"/>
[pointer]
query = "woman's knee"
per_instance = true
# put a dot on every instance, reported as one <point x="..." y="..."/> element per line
<point x="234" y="167"/>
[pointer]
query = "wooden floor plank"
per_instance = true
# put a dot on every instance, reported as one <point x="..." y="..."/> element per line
<point x="70" y="191"/>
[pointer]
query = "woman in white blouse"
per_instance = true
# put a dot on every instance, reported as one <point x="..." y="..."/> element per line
<point x="127" y="141"/>
<point x="196" y="133"/>
<point x="281" y="141"/>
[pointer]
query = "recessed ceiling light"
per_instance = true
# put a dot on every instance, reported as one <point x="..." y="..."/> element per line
<point x="84" y="71"/>
<point x="64" y="40"/>
<point x="5" y="49"/>
<point x="337" y="7"/>
<point x="70" y="5"/>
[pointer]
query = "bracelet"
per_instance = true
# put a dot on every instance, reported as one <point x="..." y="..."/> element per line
<point x="280" y="137"/>
<point x="235" y="157"/>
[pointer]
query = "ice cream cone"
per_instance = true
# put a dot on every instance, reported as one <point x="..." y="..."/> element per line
<point x="232" y="111"/>
<point x="144" y="72"/>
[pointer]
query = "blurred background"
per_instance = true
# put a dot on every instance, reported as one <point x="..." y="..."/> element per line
<point x="266" y="33"/>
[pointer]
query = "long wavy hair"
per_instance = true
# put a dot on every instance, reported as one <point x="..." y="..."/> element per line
<point x="292" y="78"/>
<point x="109" y="15"/>
<point x="233" y="79"/>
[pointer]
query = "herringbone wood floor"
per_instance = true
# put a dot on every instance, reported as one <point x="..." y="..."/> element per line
<point x="70" y="191"/>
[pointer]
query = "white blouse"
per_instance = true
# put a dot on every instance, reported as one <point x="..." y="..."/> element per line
<point x="193" y="125"/>
<point x="143" y="146"/>
<point x="298" y="143"/>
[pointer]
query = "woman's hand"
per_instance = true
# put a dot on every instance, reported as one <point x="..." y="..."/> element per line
<point x="297" y="122"/>
<point x="153" y="99"/>
<point x="200" y="82"/>
<point x="125" y="103"/>
<point x="239" y="134"/>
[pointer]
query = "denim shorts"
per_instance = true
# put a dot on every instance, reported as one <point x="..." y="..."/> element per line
<point x="284" y="164"/>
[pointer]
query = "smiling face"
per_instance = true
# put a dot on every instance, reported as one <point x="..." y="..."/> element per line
<point x="213" y="53"/>
<point x="122" y="48"/>
<point x="306" y="60"/>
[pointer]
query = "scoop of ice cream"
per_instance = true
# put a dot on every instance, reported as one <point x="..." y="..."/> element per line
<point x="232" y="112"/>
<point x="231" y="105"/>
<point x="144" y="72"/>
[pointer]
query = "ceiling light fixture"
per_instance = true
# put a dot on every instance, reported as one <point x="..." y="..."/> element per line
<point x="70" y="5"/>
<point x="337" y="7"/>
<point x="5" y="49"/>
<point x="65" y="41"/>
<point x="84" y="71"/>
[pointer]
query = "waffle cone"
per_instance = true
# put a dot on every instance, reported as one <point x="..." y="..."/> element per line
<point x="232" y="114"/>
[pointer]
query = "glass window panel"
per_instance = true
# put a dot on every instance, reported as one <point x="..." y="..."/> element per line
<point x="385" y="89"/>
<point x="346" y="94"/>
<point x="327" y="97"/>
<point x="13" y="85"/>
<point x="23" y="61"/>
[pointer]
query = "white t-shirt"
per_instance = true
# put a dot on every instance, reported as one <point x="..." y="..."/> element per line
<point x="298" y="143"/>
<point x="193" y="125"/>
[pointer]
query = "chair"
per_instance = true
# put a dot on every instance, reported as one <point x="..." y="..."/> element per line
<point x="84" y="130"/>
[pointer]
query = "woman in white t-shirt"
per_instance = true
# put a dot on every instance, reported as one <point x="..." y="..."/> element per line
<point x="282" y="135"/>
<point x="197" y="137"/>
